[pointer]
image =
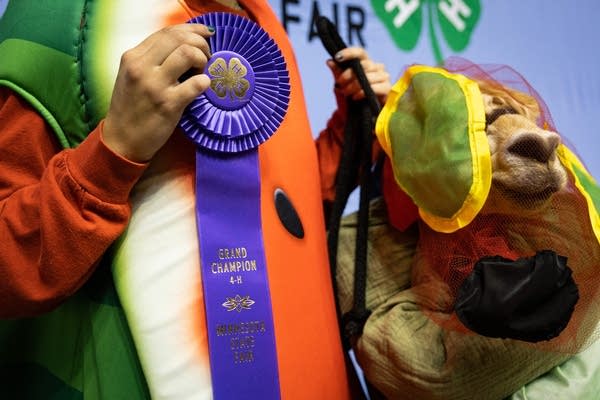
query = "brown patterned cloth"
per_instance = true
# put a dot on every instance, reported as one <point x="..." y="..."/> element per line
<point x="402" y="351"/>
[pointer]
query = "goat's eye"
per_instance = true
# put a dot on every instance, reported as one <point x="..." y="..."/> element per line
<point x="491" y="117"/>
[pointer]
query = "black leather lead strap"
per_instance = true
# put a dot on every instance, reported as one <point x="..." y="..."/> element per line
<point x="355" y="162"/>
<point x="333" y="43"/>
<point x="355" y="166"/>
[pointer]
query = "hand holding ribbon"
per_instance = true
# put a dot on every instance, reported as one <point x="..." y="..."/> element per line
<point x="148" y="99"/>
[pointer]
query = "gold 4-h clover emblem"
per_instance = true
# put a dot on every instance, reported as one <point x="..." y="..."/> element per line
<point x="238" y="303"/>
<point x="229" y="78"/>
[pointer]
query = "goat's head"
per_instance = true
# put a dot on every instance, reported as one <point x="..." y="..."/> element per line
<point x="526" y="171"/>
<point x="460" y="147"/>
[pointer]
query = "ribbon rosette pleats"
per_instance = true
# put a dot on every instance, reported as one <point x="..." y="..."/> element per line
<point x="249" y="92"/>
<point x="244" y="106"/>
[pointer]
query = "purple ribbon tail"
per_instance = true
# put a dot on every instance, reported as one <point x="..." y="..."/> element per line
<point x="243" y="355"/>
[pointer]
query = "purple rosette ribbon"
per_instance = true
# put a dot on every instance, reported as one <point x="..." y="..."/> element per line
<point x="244" y="106"/>
<point x="249" y="92"/>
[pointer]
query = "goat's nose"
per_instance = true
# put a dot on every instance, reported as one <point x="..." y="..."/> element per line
<point x="539" y="147"/>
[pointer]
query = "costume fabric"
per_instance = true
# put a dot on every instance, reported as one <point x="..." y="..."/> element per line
<point x="136" y="321"/>
<point x="414" y="344"/>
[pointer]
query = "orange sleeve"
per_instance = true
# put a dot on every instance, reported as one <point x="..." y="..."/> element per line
<point x="329" y="148"/>
<point x="59" y="209"/>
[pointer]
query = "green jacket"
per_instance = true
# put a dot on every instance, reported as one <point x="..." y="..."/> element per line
<point x="83" y="349"/>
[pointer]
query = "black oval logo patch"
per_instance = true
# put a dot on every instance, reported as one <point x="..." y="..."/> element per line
<point x="288" y="215"/>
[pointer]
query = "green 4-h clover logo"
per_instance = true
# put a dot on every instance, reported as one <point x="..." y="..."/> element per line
<point x="404" y="21"/>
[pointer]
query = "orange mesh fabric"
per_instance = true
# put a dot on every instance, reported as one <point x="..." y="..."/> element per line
<point x="517" y="221"/>
<point x="500" y="76"/>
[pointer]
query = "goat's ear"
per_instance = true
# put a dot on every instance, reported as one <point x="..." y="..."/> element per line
<point x="493" y="102"/>
<point x="527" y="105"/>
<point x="432" y="128"/>
<point x="495" y="98"/>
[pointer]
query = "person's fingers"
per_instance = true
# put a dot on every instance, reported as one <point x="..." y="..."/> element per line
<point x="347" y="82"/>
<point x="381" y="90"/>
<point x="345" y="77"/>
<point x="191" y="88"/>
<point x="367" y="66"/>
<point x="350" y="53"/>
<point x="200" y="29"/>
<point x="158" y="46"/>
<point x="378" y="80"/>
<point x="349" y="88"/>
<point x="370" y="65"/>
<point x="181" y="60"/>
<point x="358" y="95"/>
<point x="148" y="98"/>
<point x="158" y="36"/>
<point x="334" y="68"/>
<point x="378" y="76"/>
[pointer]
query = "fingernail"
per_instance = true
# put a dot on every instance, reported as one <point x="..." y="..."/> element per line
<point x="210" y="29"/>
<point x="339" y="57"/>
